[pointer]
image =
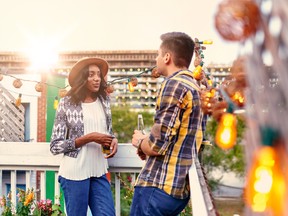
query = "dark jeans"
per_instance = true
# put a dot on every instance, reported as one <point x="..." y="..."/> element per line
<point x="93" y="192"/>
<point x="151" y="201"/>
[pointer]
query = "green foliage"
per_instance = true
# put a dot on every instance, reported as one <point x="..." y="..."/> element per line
<point x="125" y="122"/>
<point x="228" y="161"/>
<point x="25" y="202"/>
<point x="6" y="205"/>
<point x="126" y="191"/>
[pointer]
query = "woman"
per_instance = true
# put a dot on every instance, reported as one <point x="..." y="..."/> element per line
<point x="82" y="127"/>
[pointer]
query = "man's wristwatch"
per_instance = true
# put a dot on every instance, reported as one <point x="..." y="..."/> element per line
<point x="139" y="143"/>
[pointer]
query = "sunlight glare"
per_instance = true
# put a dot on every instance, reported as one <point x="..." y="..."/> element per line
<point x="42" y="56"/>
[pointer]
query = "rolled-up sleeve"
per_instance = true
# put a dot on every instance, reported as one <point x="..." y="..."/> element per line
<point x="171" y="99"/>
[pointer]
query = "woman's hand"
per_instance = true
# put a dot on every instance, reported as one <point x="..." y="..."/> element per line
<point x="100" y="138"/>
<point x="113" y="148"/>
<point x="103" y="139"/>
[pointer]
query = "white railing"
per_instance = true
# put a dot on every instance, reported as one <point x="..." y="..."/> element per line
<point x="31" y="157"/>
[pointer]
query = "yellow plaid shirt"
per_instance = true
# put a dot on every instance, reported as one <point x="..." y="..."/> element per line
<point x="179" y="114"/>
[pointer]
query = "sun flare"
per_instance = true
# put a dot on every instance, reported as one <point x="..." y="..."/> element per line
<point x="42" y="55"/>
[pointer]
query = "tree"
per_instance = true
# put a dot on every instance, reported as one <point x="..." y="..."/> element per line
<point x="227" y="161"/>
<point x="124" y="122"/>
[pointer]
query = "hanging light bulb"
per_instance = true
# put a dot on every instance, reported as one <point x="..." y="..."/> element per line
<point x="18" y="100"/>
<point x="226" y="132"/>
<point x="210" y="82"/>
<point x="155" y="73"/>
<point x="56" y="102"/>
<point x="279" y="190"/>
<point x="207" y="42"/>
<point x="62" y="93"/>
<point x="134" y="81"/>
<point x="197" y="72"/>
<point x="17" y="83"/>
<point x="266" y="188"/>
<point x="39" y="87"/>
<point x="238" y="98"/>
<point x="109" y="89"/>
<point x="130" y="87"/>
<point x="207" y="100"/>
<point x="266" y="184"/>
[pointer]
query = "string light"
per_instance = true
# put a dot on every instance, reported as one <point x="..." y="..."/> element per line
<point x="110" y="89"/>
<point x="39" y="87"/>
<point x="56" y="102"/>
<point x="226" y="132"/>
<point x="18" y="100"/>
<point x="134" y="81"/>
<point x="130" y="87"/>
<point x="197" y="72"/>
<point x="266" y="184"/>
<point x="207" y="100"/>
<point x="62" y="92"/>
<point x="17" y="83"/>
<point x="206" y="42"/>
<point x="210" y="82"/>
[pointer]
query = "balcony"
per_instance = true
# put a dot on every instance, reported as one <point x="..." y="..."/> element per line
<point x="28" y="157"/>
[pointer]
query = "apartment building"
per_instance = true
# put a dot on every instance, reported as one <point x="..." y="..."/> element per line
<point x="123" y="66"/>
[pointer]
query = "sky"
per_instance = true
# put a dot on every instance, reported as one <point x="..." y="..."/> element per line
<point x="72" y="25"/>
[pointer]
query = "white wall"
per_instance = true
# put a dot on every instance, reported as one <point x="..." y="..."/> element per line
<point x="29" y="95"/>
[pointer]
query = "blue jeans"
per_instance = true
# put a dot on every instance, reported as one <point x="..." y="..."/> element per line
<point x="152" y="201"/>
<point x="93" y="192"/>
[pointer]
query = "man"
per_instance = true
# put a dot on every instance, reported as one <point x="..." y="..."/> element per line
<point x="162" y="187"/>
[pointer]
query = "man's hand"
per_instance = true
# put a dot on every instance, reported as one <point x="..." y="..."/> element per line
<point x="137" y="140"/>
<point x="137" y="137"/>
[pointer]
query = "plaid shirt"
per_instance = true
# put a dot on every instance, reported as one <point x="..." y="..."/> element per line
<point x="179" y="114"/>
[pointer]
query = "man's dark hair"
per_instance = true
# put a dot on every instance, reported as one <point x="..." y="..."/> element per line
<point x="78" y="91"/>
<point x="180" y="45"/>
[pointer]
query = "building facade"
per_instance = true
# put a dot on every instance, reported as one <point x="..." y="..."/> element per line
<point x="123" y="66"/>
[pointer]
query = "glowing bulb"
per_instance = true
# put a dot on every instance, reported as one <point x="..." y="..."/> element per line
<point x="227" y="131"/>
<point x="266" y="187"/>
<point x="264" y="182"/>
<point x="208" y="42"/>
<point x="210" y="82"/>
<point x="56" y="102"/>
<point x="197" y="72"/>
<point x="18" y="101"/>
<point x="238" y="98"/>
<point x="130" y="87"/>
